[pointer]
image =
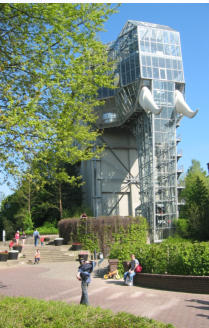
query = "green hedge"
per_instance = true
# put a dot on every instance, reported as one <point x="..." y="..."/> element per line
<point x="44" y="231"/>
<point x="181" y="258"/>
<point x="101" y="232"/>
<point x="27" y="312"/>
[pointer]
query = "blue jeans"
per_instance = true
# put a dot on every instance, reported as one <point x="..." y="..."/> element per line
<point x="36" y="241"/>
<point x="84" y="296"/>
<point x="130" y="274"/>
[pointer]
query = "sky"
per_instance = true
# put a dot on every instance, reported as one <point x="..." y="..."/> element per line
<point x="192" y="21"/>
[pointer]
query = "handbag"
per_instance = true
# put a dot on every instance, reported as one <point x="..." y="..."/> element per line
<point x="138" y="268"/>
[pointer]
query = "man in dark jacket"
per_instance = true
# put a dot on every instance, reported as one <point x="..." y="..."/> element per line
<point x="84" y="274"/>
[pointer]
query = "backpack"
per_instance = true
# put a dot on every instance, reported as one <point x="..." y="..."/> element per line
<point x="138" y="268"/>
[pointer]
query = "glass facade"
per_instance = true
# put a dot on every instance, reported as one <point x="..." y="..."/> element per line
<point x="150" y="55"/>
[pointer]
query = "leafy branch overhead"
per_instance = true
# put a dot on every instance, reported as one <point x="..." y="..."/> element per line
<point x="51" y="68"/>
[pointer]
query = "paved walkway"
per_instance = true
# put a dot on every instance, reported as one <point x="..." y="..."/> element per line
<point x="57" y="281"/>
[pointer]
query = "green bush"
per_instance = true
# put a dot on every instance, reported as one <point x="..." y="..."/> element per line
<point x="171" y="256"/>
<point x="182" y="228"/>
<point x="102" y="232"/>
<point x="47" y="229"/>
<point x="26" y="312"/>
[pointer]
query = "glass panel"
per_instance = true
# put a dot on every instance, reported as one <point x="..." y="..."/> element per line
<point x="147" y="34"/>
<point x="178" y="51"/>
<point x="173" y="50"/>
<point x="137" y="72"/>
<point x="159" y="36"/>
<point x="127" y="66"/>
<point x="153" y="47"/>
<point x="142" y="33"/>
<point x="143" y="59"/>
<point x="169" y="75"/>
<point x="168" y="63"/>
<point x="176" y="37"/>
<point x="165" y="36"/>
<point x="153" y="35"/>
<point x="160" y="48"/>
<point x="156" y="73"/>
<point x="161" y="62"/>
<point x="179" y="64"/>
<point x="181" y="76"/>
<point x="155" y="61"/>
<point x="170" y="98"/>
<point x="167" y="49"/>
<point x="156" y="84"/>
<point x="157" y="125"/>
<point x="132" y="75"/>
<point x="162" y="74"/>
<point x="147" y="46"/>
<point x="148" y="59"/>
<point x="149" y="72"/>
<point x="174" y="62"/>
<point x="142" y="46"/>
<point x="144" y="71"/>
<point x="132" y="63"/>
<point x="172" y="39"/>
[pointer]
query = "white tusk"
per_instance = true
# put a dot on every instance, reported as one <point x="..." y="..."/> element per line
<point x="181" y="105"/>
<point x="147" y="102"/>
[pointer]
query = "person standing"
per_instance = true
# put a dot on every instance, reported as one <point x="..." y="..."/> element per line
<point x="131" y="272"/>
<point x="23" y="237"/>
<point x="84" y="275"/>
<point x="17" y="236"/>
<point x="36" y="237"/>
<point x="37" y="256"/>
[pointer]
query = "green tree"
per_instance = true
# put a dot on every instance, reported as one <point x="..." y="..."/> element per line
<point x="196" y="196"/>
<point x="52" y="66"/>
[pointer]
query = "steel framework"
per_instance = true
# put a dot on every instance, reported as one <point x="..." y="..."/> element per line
<point x="149" y="100"/>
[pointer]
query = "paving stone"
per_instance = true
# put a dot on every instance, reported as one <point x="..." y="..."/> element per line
<point x="57" y="281"/>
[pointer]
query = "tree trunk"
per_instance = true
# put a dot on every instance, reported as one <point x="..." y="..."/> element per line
<point x="60" y="200"/>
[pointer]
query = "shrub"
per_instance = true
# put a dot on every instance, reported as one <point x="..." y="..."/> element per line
<point x="47" y="229"/>
<point x="182" y="228"/>
<point x="172" y="256"/>
<point x="101" y="232"/>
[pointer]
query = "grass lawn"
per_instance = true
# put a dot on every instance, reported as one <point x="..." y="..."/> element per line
<point x="27" y="312"/>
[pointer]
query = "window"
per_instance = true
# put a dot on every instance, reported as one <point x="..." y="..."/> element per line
<point x="156" y="73"/>
<point x="162" y="74"/>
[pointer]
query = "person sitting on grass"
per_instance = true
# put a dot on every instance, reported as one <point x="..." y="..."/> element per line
<point x="37" y="256"/>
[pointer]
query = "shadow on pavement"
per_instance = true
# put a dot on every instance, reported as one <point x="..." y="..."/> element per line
<point x="2" y="286"/>
<point x="205" y="306"/>
<point x="116" y="282"/>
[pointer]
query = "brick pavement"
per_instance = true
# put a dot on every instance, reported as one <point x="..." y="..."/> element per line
<point x="57" y="281"/>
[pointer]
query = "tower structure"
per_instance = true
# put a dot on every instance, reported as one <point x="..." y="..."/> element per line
<point x="140" y="117"/>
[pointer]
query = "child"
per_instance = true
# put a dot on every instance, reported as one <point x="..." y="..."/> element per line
<point x="42" y="240"/>
<point x="23" y="237"/>
<point x="17" y="237"/>
<point x="11" y="244"/>
<point x="37" y="257"/>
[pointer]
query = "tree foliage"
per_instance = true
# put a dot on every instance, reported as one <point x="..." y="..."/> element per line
<point x="50" y="70"/>
<point x="196" y="208"/>
<point x="33" y="204"/>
